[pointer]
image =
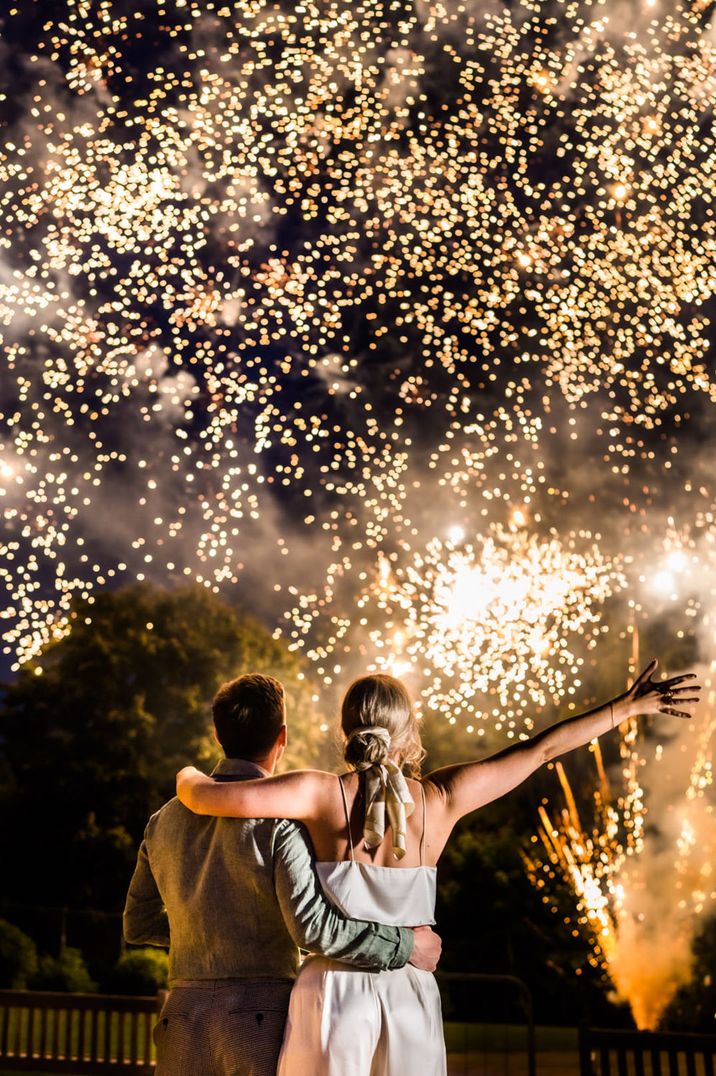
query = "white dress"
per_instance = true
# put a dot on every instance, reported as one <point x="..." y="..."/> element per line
<point x="344" y="1021"/>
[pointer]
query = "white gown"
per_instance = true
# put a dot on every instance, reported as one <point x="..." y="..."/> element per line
<point x="344" y="1021"/>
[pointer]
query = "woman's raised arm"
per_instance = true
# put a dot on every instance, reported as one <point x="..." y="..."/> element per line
<point x="465" y="787"/>
<point x="301" y="794"/>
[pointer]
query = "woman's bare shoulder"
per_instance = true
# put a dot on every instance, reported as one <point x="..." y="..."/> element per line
<point x="432" y="788"/>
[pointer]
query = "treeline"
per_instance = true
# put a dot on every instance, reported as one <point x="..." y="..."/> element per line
<point x="22" y="967"/>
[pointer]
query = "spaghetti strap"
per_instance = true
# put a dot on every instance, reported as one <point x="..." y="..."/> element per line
<point x="425" y="822"/>
<point x="348" y="818"/>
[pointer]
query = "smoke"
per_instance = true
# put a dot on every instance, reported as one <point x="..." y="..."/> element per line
<point x="650" y="962"/>
<point x="671" y="885"/>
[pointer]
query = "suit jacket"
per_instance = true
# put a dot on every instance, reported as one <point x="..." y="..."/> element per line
<point x="235" y="898"/>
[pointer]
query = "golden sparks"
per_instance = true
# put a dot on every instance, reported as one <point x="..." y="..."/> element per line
<point x="320" y="270"/>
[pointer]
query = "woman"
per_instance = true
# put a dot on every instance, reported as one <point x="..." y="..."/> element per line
<point x="343" y="1021"/>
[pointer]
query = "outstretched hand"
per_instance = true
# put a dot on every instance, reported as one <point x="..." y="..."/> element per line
<point x="649" y="696"/>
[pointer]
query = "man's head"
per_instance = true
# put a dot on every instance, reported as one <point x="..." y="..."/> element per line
<point x="250" y="717"/>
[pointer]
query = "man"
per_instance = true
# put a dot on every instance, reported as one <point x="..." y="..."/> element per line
<point x="232" y="899"/>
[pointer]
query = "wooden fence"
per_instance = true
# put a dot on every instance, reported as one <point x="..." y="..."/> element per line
<point x="77" y="1033"/>
<point x="607" y="1052"/>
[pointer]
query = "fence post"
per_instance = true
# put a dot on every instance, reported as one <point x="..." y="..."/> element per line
<point x="585" y="1051"/>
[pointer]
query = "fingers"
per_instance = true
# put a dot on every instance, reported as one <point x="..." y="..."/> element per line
<point x="658" y="702"/>
<point x="671" y="680"/>
<point x="674" y="713"/>
<point x="645" y="674"/>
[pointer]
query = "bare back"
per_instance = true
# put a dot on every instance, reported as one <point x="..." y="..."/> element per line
<point x="330" y="832"/>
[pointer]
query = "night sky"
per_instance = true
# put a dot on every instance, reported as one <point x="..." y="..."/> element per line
<point x="297" y="300"/>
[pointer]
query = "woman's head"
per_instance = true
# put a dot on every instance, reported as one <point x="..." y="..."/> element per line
<point x="379" y="723"/>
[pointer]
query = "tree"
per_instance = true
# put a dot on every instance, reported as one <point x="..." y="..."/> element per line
<point x="18" y="957"/>
<point x="94" y="731"/>
<point x="140" y="971"/>
<point x="67" y="972"/>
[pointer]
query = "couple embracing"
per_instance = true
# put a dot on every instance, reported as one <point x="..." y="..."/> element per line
<point x="229" y="881"/>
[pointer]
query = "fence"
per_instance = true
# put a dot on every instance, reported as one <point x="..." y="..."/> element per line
<point x="77" y="1033"/>
<point x="95" y="1034"/>
<point x="605" y="1052"/>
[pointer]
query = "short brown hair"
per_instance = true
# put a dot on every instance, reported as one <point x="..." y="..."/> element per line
<point x="248" y="714"/>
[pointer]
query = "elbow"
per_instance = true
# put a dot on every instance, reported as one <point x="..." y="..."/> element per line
<point x="188" y="794"/>
<point x="307" y="931"/>
<point x="545" y="754"/>
<point x="189" y="798"/>
<point x="135" y="933"/>
<point x="550" y="748"/>
<point x="540" y="751"/>
<point x="132" y="935"/>
<point x="307" y="940"/>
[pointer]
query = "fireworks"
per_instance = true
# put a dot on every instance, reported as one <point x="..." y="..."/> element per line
<point x="640" y="893"/>
<point x="493" y="620"/>
<point x="262" y="264"/>
<point x="465" y="622"/>
<point x="393" y="319"/>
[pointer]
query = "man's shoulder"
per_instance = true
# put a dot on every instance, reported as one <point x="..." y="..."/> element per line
<point x="173" y="812"/>
<point x="168" y="811"/>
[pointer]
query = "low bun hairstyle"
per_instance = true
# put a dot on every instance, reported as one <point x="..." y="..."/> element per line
<point x="367" y="747"/>
<point x="379" y="723"/>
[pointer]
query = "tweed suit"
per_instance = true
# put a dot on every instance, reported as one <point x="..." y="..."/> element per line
<point x="233" y="900"/>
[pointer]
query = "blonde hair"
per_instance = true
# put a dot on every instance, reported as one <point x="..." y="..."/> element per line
<point x="373" y="706"/>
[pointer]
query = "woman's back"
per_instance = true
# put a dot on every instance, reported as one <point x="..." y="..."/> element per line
<point x="397" y="895"/>
<point x="336" y="832"/>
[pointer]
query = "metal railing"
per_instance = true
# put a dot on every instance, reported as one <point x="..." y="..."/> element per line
<point x="97" y="1034"/>
<point x="515" y="988"/>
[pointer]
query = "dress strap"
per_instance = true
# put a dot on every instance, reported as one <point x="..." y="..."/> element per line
<point x="425" y="822"/>
<point x="348" y="818"/>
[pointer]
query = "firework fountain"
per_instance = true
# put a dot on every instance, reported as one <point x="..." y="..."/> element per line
<point x="640" y="891"/>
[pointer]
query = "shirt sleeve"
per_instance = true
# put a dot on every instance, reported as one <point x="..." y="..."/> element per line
<point x="315" y="924"/>
<point x="145" y="919"/>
